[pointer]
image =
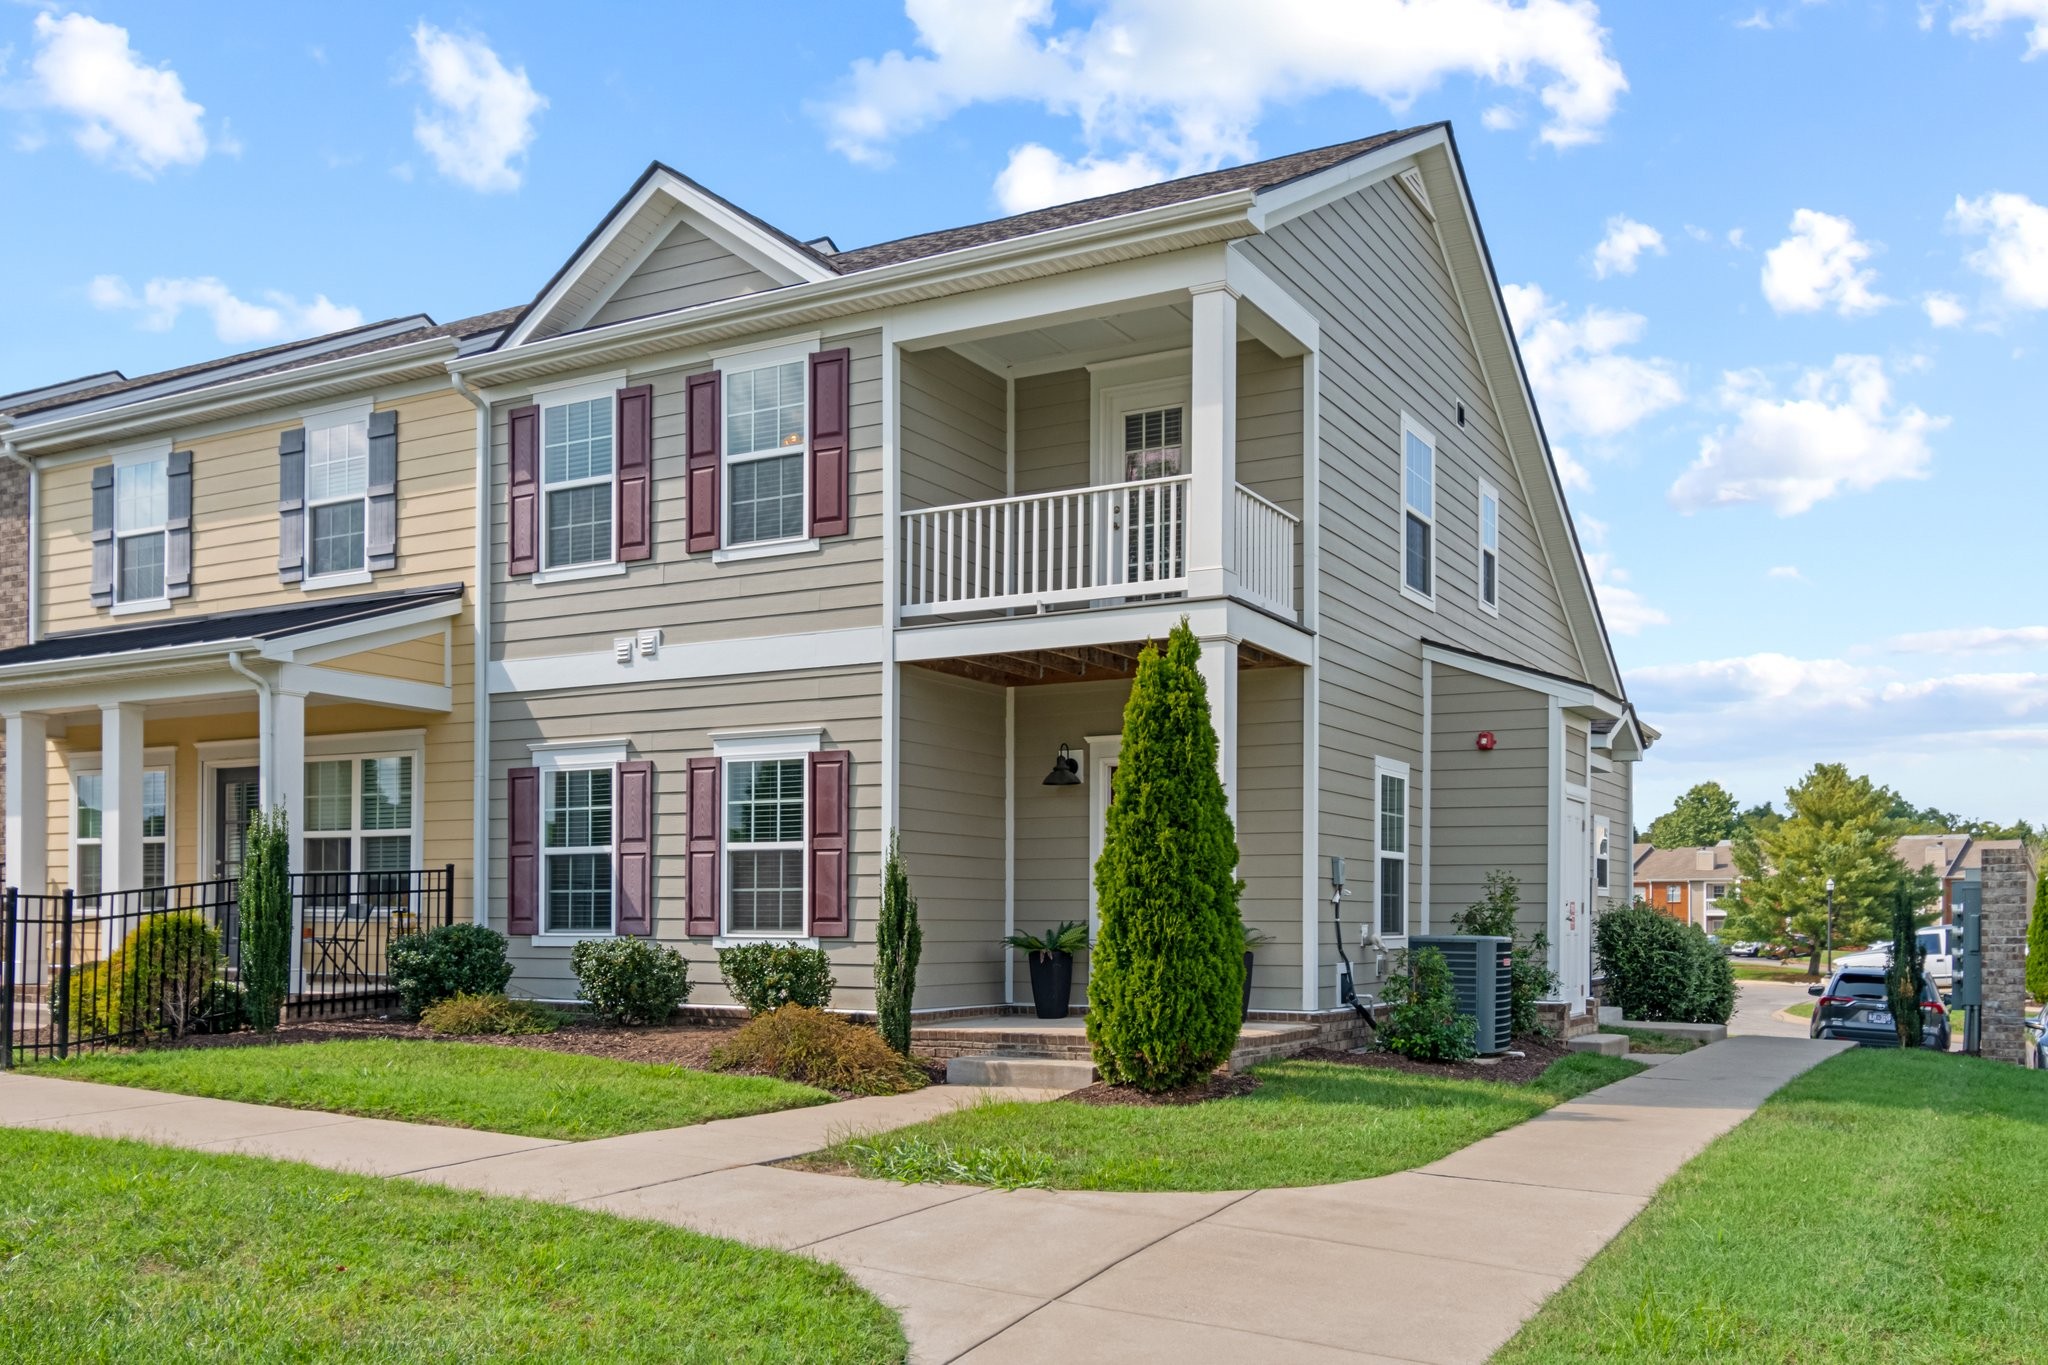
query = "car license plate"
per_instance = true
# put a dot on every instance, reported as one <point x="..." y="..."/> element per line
<point x="1880" y="1018"/>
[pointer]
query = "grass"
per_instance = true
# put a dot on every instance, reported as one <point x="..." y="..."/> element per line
<point x="1760" y="1250"/>
<point x="1804" y="1009"/>
<point x="1308" y="1123"/>
<point x="117" y="1250"/>
<point x="463" y="1085"/>
<point x="1753" y="971"/>
<point x="1650" y="1040"/>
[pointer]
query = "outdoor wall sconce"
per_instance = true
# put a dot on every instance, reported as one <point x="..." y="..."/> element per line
<point x="1066" y="770"/>
<point x="1485" y="742"/>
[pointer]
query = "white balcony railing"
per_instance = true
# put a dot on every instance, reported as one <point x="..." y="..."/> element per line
<point x="1074" y="545"/>
<point x="1266" y="535"/>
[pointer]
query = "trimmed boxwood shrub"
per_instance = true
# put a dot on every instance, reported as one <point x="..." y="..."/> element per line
<point x="629" y="980"/>
<point x="811" y="1047"/>
<point x="469" y="1015"/>
<point x="767" y="976"/>
<point x="1424" y="1022"/>
<point x="1659" y="968"/>
<point x="455" y="959"/>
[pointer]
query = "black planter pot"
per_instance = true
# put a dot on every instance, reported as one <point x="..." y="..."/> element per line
<point x="1247" y="987"/>
<point x="1052" y="983"/>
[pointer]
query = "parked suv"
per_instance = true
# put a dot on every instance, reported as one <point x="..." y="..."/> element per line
<point x="1940" y="942"/>
<point x="1854" y="1008"/>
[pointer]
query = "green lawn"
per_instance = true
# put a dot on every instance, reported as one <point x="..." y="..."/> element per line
<point x="1761" y="1250"/>
<point x="1650" y="1040"/>
<point x="1308" y="1123"/>
<point x="1756" y="971"/>
<point x="465" y="1085"/>
<point x="1804" y="1009"/>
<point x="122" y="1251"/>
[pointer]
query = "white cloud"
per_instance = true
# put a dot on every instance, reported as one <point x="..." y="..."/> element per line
<point x="1625" y="610"/>
<point x="1582" y="382"/>
<point x="482" y="118"/>
<point x="1984" y="18"/>
<point x="1626" y="240"/>
<point x="1735" y="239"/>
<point x="1570" y="471"/>
<point x="280" y="317"/>
<point x="1758" y="20"/>
<point x="1185" y="82"/>
<point x="130" y="115"/>
<point x="1972" y="639"/>
<point x="1837" y="431"/>
<point x="1944" y="310"/>
<point x="1821" y="266"/>
<point x="2015" y="251"/>
<point x="1788" y="572"/>
<point x="1037" y="176"/>
<point x="1501" y="118"/>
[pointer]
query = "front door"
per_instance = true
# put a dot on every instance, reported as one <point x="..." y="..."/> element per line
<point x="1575" y="920"/>
<point x="236" y="795"/>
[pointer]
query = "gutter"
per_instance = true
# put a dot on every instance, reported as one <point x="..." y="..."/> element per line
<point x="479" y="664"/>
<point x="29" y="548"/>
<point x="266" y="730"/>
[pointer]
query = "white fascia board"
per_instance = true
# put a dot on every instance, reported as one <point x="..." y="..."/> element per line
<point x="209" y="679"/>
<point x="1209" y="619"/>
<point x="287" y="648"/>
<point x="1061" y="298"/>
<point x="1311" y="192"/>
<point x="741" y="657"/>
<point x="1276" y="317"/>
<point x="307" y="680"/>
<point x="1574" y="696"/>
<point x="57" y="672"/>
<point x="340" y="649"/>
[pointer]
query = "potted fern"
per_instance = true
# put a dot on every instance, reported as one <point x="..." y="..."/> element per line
<point x="1051" y="955"/>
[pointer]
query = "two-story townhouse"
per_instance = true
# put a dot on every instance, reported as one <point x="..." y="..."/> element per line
<point x="13" y="581"/>
<point x="792" y="546"/>
<point x="250" y="582"/>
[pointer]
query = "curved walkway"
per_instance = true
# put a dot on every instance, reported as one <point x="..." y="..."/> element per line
<point x="1439" y="1264"/>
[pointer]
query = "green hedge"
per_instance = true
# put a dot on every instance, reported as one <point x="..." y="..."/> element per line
<point x="1661" y="969"/>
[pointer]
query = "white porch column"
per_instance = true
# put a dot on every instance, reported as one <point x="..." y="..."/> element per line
<point x="284" y="786"/>
<point x="1219" y="674"/>
<point x="1212" y="443"/>
<point x="28" y="802"/>
<point x="121" y="796"/>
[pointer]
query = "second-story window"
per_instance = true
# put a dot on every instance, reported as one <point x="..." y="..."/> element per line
<point x="577" y="465"/>
<point x="141" y="512"/>
<point x="1489" y="547"/>
<point x="337" y="493"/>
<point x="765" y="445"/>
<point x="1418" y="512"/>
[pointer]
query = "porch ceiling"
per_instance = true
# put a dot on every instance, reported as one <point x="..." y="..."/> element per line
<point x="1081" y="341"/>
<point x="1077" y="663"/>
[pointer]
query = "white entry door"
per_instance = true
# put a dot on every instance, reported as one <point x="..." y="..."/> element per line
<point x="1575" y="919"/>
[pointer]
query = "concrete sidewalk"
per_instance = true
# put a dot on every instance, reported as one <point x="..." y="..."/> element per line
<point x="1440" y="1264"/>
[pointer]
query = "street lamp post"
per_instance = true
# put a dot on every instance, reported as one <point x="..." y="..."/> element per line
<point x="1831" y="926"/>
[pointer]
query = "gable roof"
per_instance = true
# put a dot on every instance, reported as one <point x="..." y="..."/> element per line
<point x="1684" y="864"/>
<point x="1941" y="854"/>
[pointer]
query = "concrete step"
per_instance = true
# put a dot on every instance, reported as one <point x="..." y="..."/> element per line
<point x="1705" y="1033"/>
<point x="1044" y="1073"/>
<point x="1610" y="1014"/>
<point x="1606" y="1044"/>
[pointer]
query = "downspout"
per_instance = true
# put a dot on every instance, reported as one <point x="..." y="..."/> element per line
<point x="479" y="667"/>
<point x="29" y="550"/>
<point x="266" y="743"/>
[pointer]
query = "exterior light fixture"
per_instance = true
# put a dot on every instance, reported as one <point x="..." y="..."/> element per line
<point x="1066" y="770"/>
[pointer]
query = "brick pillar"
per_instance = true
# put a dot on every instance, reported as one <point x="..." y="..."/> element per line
<point x="2008" y="896"/>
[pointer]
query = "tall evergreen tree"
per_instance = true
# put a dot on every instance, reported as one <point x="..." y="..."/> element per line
<point x="899" y="941"/>
<point x="1167" y="974"/>
<point x="1704" y="815"/>
<point x="1907" y="971"/>
<point x="264" y="901"/>
<point x="2037" y="943"/>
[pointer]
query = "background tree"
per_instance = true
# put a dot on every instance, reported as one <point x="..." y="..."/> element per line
<point x="1167" y="975"/>
<point x="1837" y="826"/>
<point x="898" y="943"/>
<point x="1759" y="819"/>
<point x="264" y="901"/>
<point x="2037" y="943"/>
<point x="1907" y="970"/>
<point x="1704" y="815"/>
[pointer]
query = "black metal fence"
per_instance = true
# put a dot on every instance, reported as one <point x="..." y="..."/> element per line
<point x="119" y="968"/>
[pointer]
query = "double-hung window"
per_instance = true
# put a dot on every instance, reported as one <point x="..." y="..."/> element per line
<point x="1489" y="547"/>
<point x="142" y="502"/>
<point x="1390" y="864"/>
<point x="764" y="845"/>
<point x="88" y="848"/>
<point x="1418" y="512"/>
<point x="359" y="818"/>
<point x="337" y="494"/>
<point x="577" y="872"/>
<point x="767" y="434"/>
<point x="578" y="462"/>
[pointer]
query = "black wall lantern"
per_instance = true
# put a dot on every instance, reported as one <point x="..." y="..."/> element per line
<point x="1066" y="770"/>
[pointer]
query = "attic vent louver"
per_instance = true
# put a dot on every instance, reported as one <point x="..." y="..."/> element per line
<point x="1411" y="181"/>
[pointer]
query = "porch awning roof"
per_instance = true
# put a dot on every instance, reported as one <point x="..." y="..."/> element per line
<point x="249" y="628"/>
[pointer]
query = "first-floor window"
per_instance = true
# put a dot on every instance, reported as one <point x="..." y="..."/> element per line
<point x="89" y="878"/>
<point x="576" y="828"/>
<point x="1392" y="862"/>
<point x="764" y="845"/>
<point x="1600" y="855"/>
<point x="1674" y="894"/>
<point x="359" y="819"/>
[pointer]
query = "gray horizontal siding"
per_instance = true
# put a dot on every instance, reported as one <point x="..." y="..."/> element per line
<point x="954" y="430"/>
<point x="687" y="269"/>
<point x="1052" y="431"/>
<point x="1490" y="809"/>
<point x="950" y="813"/>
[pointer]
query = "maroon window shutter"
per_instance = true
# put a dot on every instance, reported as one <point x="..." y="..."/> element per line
<point x="831" y="434"/>
<point x="636" y="847"/>
<point x="831" y="842"/>
<point x="522" y="852"/>
<point x="522" y="527"/>
<point x="636" y="472"/>
<point x="700" y="458"/>
<point x="702" y="917"/>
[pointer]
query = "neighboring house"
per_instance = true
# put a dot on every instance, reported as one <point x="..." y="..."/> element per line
<point x="1686" y="883"/>
<point x="788" y="546"/>
<point x="1941" y="854"/>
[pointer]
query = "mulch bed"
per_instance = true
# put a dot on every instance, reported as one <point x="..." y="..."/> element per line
<point x="1537" y="1055"/>
<point x="1220" y="1086"/>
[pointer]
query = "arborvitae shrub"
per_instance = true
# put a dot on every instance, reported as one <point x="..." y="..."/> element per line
<point x="899" y="941"/>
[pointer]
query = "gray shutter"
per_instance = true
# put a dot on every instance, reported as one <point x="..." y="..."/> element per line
<point x="103" y="536"/>
<point x="380" y="528"/>
<point x="178" y="528"/>
<point x="291" y="506"/>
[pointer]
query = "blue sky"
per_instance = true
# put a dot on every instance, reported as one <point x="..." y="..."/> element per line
<point x="1781" y="272"/>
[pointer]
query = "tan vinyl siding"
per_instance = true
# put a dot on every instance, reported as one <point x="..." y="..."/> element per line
<point x="954" y="430"/>
<point x="668" y="724"/>
<point x="836" y="587"/>
<point x="1052" y="432"/>
<point x="420" y="660"/>
<point x="687" y="269"/>
<point x="1269" y="809"/>
<point x="950" y="811"/>
<point x="1491" y="809"/>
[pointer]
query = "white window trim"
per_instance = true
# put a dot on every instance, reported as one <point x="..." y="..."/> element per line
<point x="581" y="571"/>
<point x="557" y="756"/>
<point x="1487" y="493"/>
<point x="1384" y="768"/>
<point x="557" y="396"/>
<point x="156" y="452"/>
<point x="325" y="419"/>
<point x="1410" y="426"/>
<point x="761" y="358"/>
<point x="353" y="753"/>
<point x="1674" y="893"/>
<point x="753" y="746"/>
<point x="1602" y="838"/>
<point x="164" y="760"/>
